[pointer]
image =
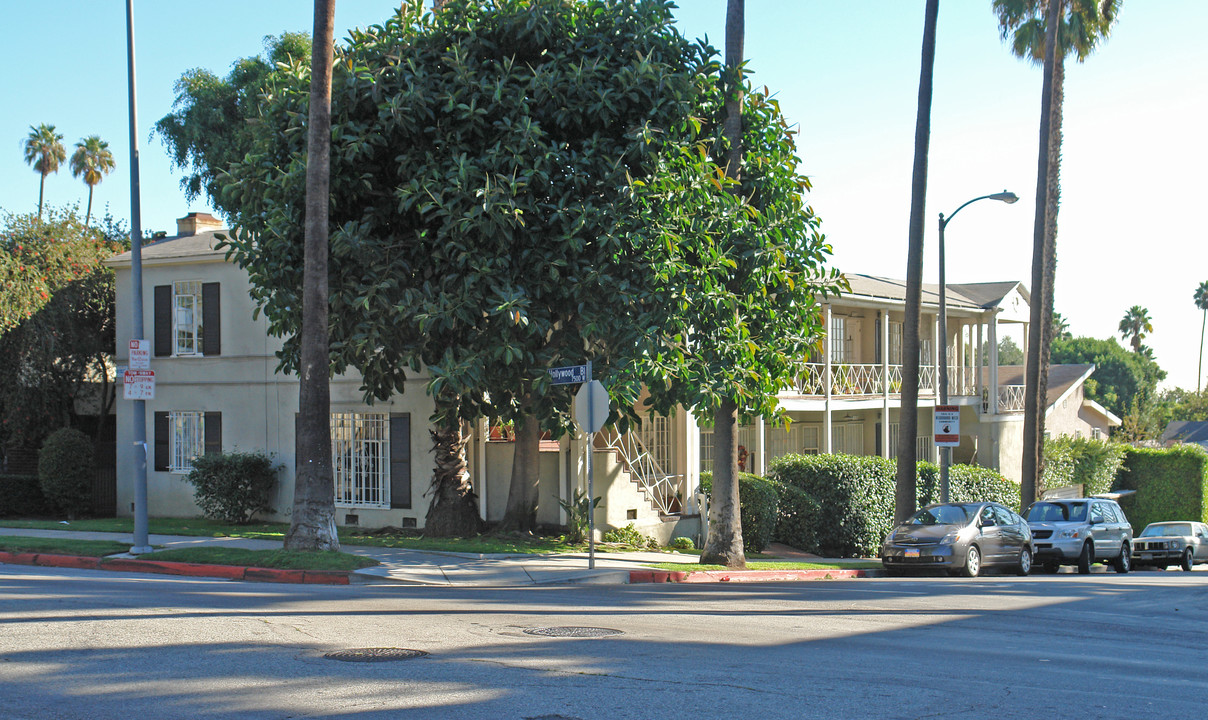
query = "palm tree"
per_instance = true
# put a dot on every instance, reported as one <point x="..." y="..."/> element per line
<point x="724" y="542"/>
<point x="313" y="523"/>
<point x="1047" y="31"/>
<point x="1201" y="302"/>
<point x="93" y="161"/>
<point x="1136" y="325"/>
<point x="44" y="150"/>
<point x="907" y="471"/>
<point x="1061" y="327"/>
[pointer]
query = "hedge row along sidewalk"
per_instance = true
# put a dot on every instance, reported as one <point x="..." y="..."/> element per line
<point x="227" y="572"/>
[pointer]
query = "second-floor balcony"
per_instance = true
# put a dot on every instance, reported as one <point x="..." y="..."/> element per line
<point x="851" y="380"/>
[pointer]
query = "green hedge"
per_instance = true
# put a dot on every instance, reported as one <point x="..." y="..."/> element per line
<point x="1170" y="484"/>
<point x="21" y="496"/>
<point x="1094" y="464"/>
<point x="798" y="516"/>
<point x="757" y="500"/>
<point x="855" y="495"/>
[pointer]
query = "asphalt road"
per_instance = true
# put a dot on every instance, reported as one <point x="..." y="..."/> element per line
<point x="81" y="644"/>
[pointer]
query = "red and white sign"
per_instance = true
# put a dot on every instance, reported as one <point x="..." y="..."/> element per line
<point x="139" y="384"/>
<point x="140" y="355"/>
<point x="947" y="425"/>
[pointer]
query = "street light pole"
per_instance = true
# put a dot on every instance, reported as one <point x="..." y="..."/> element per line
<point x="946" y="452"/>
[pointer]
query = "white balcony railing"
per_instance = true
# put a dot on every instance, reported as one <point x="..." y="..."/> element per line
<point x="855" y="379"/>
<point x="1010" y="398"/>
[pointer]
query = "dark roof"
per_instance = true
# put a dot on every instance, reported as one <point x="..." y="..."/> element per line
<point x="1186" y="431"/>
<point x="967" y="295"/>
<point x="1061" y="378"/>
<point x="176" y="247"/>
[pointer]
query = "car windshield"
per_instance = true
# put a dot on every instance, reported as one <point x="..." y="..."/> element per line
<point x="940" y="515"/>
<point x="1169" y="529"/>
<point x="1057" y="512"/>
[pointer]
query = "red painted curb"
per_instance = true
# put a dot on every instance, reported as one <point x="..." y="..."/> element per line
<point x="741" y="576"/>
<point x="225" y="572"/>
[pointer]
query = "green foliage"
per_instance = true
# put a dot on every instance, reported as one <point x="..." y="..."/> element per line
<point x="1180" y="404"/>
<point x="477" y="188"/>
<point x="578" y="515"/>
<point x="212" y="123"/>
<point x="1094" y="464"/>
<point x="758" y="509"/>
<point x="1008" y="352"/>
<point x="66" y="469"/>
<point x="233" y="487"/>
<point x="1170" y="484"/>
<point x="1120" y="378"/>
<point x="56" y="320"/>
<point x="682" y="543"/>
<point x="854" y="495"/>
<point x="631" y="536"/>
<point x="21" y="496"/>
<point x="797" y="517"/>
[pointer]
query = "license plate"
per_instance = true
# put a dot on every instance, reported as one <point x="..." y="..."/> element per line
<point x="910" y="552"/>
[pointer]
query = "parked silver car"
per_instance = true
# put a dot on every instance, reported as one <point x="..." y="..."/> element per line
<point x="1166" y="544"/>
<point x="960" y="538"/>
<point x="1081" y="532"/>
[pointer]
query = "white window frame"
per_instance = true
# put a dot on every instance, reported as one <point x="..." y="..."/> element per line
<point x="841" y="347"/>
<point x="655" y="434"/>
<point x="186" y="439"/>
<point x="360" y="459"/>
<point x="186" y="318"/>
<point x="895" y="343"/>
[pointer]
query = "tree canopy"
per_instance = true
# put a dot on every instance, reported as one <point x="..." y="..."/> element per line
<point x="1120" y="379"/>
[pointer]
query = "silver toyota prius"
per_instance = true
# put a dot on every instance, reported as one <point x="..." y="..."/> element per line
<point x="960" y="538"/>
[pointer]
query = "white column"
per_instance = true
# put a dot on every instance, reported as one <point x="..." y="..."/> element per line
<point x="826" y="381"/>
<point x="484" y="430"/>
<point x="977" y="357"/>
<point x="993" y="383"/>
<point x="935" y="354"/>
<point x="885" y="384"/>
<point x="761" y="447"/>
<point x="691" y="459"/>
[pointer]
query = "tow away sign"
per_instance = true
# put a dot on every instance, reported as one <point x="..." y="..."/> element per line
<point x="139" y="384"/>
<point x="947" y="425"/>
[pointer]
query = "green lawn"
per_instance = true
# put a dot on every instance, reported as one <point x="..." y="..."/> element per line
<point x="282" y="559"/>
<point x="772" y="565"/>
<point x="62" y="546"/>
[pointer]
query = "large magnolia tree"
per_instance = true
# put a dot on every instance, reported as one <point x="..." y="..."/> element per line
<point x="480" y="164"/>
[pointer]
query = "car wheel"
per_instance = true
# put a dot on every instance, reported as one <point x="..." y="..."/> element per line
<point x="1086" y="558"/>
<point x="1188" y="560"/>
<point x="1123" y="563"/>
<point x="972" y="562"/>
<point x="1025" y="562"/>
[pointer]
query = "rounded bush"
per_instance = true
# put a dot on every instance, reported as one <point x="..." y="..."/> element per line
<point x="232" y="487"/>
<point x="631" y="536"/>
<point x="682" y="543"/>
<point x="66" y="469"/>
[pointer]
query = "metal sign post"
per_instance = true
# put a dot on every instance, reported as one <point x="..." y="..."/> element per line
<point x="591" y="410"/>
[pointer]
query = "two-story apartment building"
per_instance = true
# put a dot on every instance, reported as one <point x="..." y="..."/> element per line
<point x="218" y="389"/>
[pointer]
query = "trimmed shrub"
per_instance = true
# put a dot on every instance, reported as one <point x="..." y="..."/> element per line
<point x="631" y="536"/>
<point x="21" y="496"/>
<point x="966" y="483"/>
<point x="854" y="496"/>
<point x="798" y="515"/>
<point x="1094" y="464"/>
<point x="757" y="501"/>
<point x="232" y="487"/>
<point x="682" y="543"/>
<point x="1170" y="484"/>
<point x="66" y="470"/>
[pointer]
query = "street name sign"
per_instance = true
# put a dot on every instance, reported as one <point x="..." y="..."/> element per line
<point x="947" y="425"/>
<point x="568" y="375"/>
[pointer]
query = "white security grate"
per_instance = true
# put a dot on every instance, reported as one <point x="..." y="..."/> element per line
<point x="187" y="440"/>
<point x="360" y="459"/>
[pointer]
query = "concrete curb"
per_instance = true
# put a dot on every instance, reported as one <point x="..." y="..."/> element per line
<point x="225" y="572"/>
<point x="744" y="576"/>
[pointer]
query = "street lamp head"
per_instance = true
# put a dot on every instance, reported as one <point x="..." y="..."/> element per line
<point x="1004" y="196"/>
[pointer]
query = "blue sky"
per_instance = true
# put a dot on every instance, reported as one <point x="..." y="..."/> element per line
<point x="845" y="71"/>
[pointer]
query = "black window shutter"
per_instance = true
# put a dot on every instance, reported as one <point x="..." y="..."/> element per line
<point x="211" y="320"/>
<point x="400" y="460"/>
<point x="213" y="432"/>
<point x="161" y="441"/>
<point x="163" y="320"/>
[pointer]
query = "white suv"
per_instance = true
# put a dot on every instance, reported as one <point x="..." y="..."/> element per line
<point x="1080" y="532"/>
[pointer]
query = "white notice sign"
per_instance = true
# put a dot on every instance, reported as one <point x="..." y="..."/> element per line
<point x="947" y="425"/>
<point x="139" y="384"/>
<point x="140" y="355"/>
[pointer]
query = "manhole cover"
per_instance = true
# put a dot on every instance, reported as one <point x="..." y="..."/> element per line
<point x="374" y="654"/>
<point x="574" y="632"/>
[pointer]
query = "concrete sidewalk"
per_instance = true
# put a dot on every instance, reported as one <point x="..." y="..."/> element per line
<point x="421" y="567"/>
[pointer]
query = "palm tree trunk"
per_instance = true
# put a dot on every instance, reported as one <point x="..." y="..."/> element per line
<point x="1043" y="242"/>
<point x="454" y="508"/>
<point x="906" y="490"/>
<point x="723" y="546"/>
<point x="313" y="522"/>
<point x="41" y="192"/>
<point x="521" y="512"/>
<point x="88" y="214"/>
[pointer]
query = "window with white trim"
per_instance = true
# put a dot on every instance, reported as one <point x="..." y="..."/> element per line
<point x="186" y="318"/>
<point x="186" y="439"/>
<point x="841" y="350"/>
<point x="847" y="438"/>
<point x="895" y="343"/>
<point x="360" y="459"/>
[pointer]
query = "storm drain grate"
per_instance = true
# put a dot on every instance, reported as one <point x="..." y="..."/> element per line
<point x="574" y="632"/>
<point x="374" y="654"/>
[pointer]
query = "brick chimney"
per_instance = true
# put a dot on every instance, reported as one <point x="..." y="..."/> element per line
<point x="194" y="223"/>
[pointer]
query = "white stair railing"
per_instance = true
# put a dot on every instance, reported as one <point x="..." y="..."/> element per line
<point x="661" y="488"/>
